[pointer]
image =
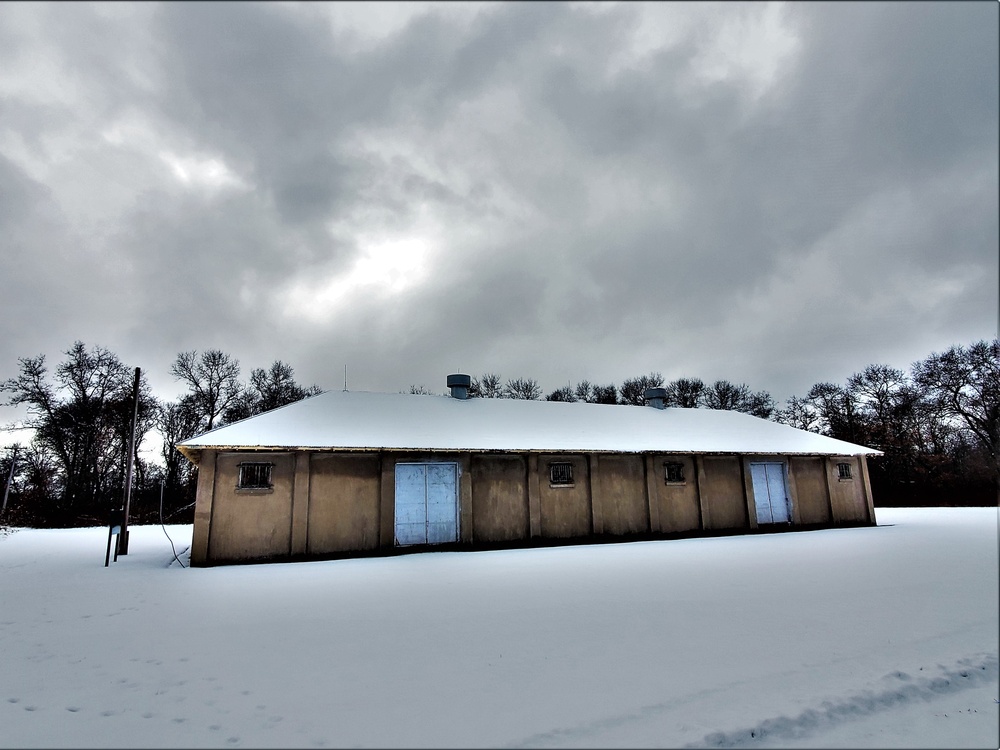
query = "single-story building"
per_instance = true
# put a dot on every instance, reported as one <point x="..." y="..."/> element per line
<point x="348" y="473"/>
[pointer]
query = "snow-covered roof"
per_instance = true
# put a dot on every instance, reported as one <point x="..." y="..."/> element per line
<point x="358" y="420"/>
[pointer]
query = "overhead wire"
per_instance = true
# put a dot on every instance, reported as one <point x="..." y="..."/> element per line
<point x="173" y="549"/>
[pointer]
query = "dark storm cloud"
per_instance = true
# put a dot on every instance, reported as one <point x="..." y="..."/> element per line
<point x="594" y="198"/>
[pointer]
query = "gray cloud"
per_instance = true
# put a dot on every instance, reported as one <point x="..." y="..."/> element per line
<point x="775" y="194"/>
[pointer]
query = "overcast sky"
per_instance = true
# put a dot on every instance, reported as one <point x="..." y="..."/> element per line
<point x="773" y="194"/>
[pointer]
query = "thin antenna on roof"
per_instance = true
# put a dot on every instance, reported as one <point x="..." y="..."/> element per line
<point x="345" y="377"/>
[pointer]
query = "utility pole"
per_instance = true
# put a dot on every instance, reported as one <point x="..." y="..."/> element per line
<point x="10" y="476"/>
<point x="123" y="536"/>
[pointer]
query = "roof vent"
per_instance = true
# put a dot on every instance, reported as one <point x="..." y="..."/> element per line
<point x="655" y="397"/>
<point x="459" y="385"/>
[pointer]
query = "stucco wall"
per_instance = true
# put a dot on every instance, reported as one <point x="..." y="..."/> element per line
<point x="499" y="498"/>
<point x="676" y="503"/>
<point x="251" y="524"/>
<point x="847" y="496"/>
<point x="343" y="503"/>
<point x="565" y="510"/>
<point x="810" y="501"/>
<point x="724" y="504"/>
<point x="619" y="495"/>
<point x="326" y="503"/>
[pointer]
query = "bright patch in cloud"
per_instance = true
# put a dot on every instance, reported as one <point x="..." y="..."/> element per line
<point x="195" y="171"/>
<point x="753" y="43"/>
<point x="384" y="268"/>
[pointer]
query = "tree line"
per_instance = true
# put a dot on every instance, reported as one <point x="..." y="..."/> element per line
<point x="73" y="470"/>
<point x="938" y="425"/>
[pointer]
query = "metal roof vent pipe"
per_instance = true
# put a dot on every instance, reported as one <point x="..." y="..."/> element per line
<point x="656" y="397"/>
<point x="459" y="385"/>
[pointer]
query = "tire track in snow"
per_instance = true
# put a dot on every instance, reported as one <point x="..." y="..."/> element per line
<point x="969" y="673"/>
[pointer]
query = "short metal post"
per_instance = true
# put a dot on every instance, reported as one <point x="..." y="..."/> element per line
<point x="122" y="547"/>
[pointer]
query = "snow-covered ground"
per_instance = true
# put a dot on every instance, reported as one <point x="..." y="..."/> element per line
<point x="869" y="637"/>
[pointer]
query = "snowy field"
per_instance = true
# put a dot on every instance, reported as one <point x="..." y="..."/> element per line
<point x="869" y="637"/>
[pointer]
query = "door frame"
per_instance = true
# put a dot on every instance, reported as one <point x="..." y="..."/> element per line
<point x="457" y="499"/>
<point x="751" y="462"/>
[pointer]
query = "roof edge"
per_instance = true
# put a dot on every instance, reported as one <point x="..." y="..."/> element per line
<point x="194" y="454"/>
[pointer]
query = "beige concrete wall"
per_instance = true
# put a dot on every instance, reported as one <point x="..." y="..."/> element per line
<point x="344" y="503"/>
<point x="807" y="475"/>
<point x="499" y="498"/>
<point x="300" y="503"/>
<point x="565" y="510"/>
<point x="676" y="503"/>
<point x="251" y="524"/>
<point x="618" y="488"/>
<point x="204" y="496"/>
<point x="866" y="488"/>
<point x="723" y="502"/>
<point x="847" y="496"/>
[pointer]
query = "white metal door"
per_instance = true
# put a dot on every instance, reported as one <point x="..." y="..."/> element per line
<point x="770" y="494"/>
<point x="426" y="503"/>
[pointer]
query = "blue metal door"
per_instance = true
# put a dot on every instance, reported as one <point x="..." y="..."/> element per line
<point x="770" y="494"/>
<point x="426" y="503"/>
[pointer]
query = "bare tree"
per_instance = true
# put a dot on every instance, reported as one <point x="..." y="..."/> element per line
<point x="633" y="390"/>
<point x="800" y="414"/>
<point x="685" y="392"/>
<point x="268" y="389"/>
<point x="82" y="422"/>
<point x="760" y="404"/>
<point x="213" y="382"/>
<point x="604" y="394"/>
<point x="723" y="394"/>
<point x="488" y="386"/>
<point x="526" y="389"/>
<point x="176" y="422"/>
<point x="966" y="383"/>
<point x="836" y="411"/>
<point x="561" y="394"/>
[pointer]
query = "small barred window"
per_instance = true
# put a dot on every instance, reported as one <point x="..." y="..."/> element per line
<point x="674" y="472"/>
<point x="560" y="473"/>
<point x="256" y="476"/>
<point x="844" y="471"/>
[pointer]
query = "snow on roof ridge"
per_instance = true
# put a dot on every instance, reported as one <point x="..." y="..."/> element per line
<point x="366" y="420"/>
